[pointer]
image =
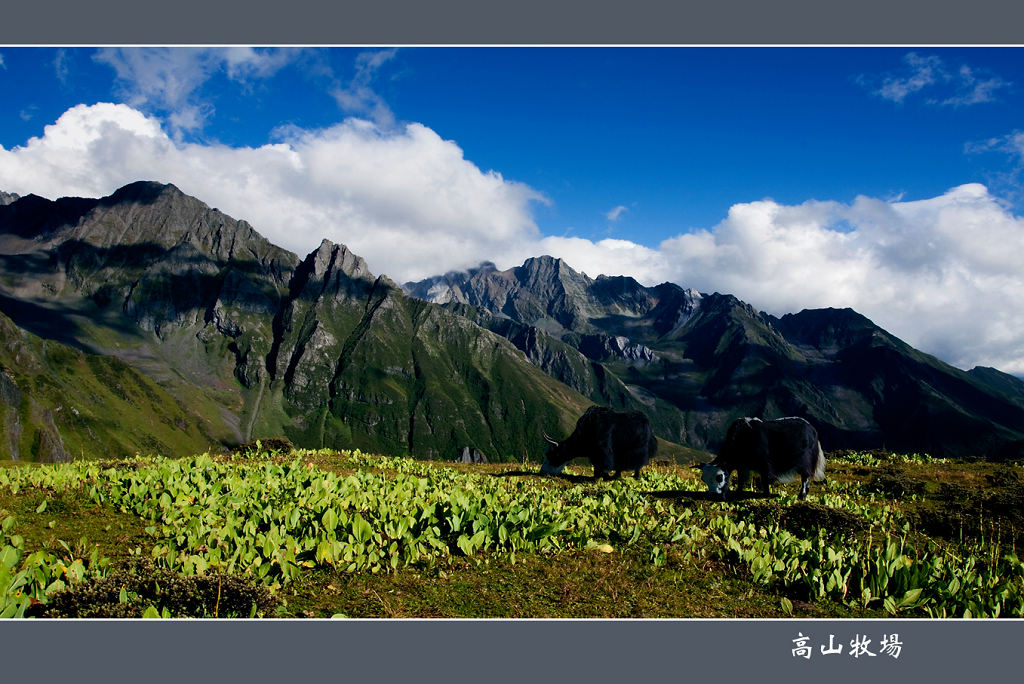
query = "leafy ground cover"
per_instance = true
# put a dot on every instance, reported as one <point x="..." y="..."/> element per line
<point x="295" y="533"/>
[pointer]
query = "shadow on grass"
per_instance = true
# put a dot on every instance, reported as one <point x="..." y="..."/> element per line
<point x="681" y="495"/>
<point x="566" y="477"/>
<point x="674" y="494"/>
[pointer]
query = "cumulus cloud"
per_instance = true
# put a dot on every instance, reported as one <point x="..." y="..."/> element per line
<point x="404" y="199"/>
<point x="609" y="256"/>
<point x="942" y="273"/>
<point x="959" y="87"/>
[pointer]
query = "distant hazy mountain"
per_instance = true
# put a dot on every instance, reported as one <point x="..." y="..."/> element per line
<point x="712" y="358"/>
<point x="262" y="343"/>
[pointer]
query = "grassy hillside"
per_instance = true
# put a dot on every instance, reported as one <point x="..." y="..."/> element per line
<point x="323" y="533"/>
<point x="260" y="342"/>
<point x="57" y="403"/>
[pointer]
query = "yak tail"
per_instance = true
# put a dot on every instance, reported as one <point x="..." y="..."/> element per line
<point x="819" y="467"/>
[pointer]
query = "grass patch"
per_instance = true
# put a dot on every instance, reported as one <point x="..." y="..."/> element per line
<point x="67" y="517"/>
<point x="324" y="533"/>
<point x="574" y="584"/>
<point x="133" y="588"/>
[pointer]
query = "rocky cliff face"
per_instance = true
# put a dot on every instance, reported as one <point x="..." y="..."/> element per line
<point x="604" y="318"/>
<point x="319" y="349"/>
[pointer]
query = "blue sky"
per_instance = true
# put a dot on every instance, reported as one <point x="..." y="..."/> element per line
<point x="791" y="177"/>
<point x="675" y="135"/>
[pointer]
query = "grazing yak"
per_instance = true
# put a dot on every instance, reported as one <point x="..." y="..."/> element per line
<point x="612" y="441"/>
<point x="779" y="450"/>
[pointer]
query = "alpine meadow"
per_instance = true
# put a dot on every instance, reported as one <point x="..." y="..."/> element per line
<point x="206" y="417"/>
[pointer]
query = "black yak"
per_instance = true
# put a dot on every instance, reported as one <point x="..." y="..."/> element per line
<point x="779" y="450"/>
<point x="612" y="441"/>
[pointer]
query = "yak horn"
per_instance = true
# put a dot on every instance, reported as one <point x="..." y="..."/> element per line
<point x="549" y="439"/>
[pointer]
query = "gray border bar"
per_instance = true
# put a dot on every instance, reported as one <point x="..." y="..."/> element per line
<point x="418" y="22"/>
<point x="500" y="651"/>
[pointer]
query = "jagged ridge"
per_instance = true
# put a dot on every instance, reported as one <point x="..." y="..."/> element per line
<point x="319" y="350"/>
<point x="713" y="358"/>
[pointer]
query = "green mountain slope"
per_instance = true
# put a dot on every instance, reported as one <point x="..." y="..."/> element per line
<point x="318" y="350"/>
<point x="58" y="403"/>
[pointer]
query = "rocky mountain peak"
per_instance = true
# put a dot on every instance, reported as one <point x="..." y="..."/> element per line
<point x="544" y="271"/>
<point x="323" y="352"/>
<point x="450" y="288"/>
<point x="333" y="271"/>
<point x="826" y="328"/>
<point x="145" y="192"/>
<point x="542" y="262"/>
<point x="332" y="256"/>
<point x="7" y="197"/>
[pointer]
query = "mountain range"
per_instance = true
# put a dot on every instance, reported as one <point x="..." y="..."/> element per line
<point x="698" y="361"/>
<point x="149" y="321"/>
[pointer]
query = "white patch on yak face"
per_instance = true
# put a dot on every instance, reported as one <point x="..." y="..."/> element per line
<point x="715" y="478"/>
<point x="548" y="469"/>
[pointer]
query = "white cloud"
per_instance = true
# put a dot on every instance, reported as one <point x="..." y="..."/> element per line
<point x="244" y="63"/>
<point x="169" y="80"/>
<point x="406" y="200"/>
<point x="1011" y="145"/>
<point x="961" y="87"/>
<point x="942" y="273"/>
<point x="972" y="89"/>
<point x="1006" y="181"/>
<point x="921" y="73"/>
<point x="60" y="66"/>
<point x="358" y="98"/>
<point x="616" y="213"/>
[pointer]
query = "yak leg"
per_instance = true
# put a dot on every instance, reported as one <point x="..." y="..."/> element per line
<point x="805" y="485"/>
<point x="605" y="462"/>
